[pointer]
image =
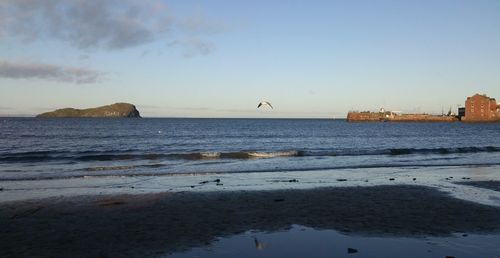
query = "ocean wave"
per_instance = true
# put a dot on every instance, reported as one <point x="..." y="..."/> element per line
<point x="274" y="154"/>
<point x="102" y="172"/>
<point x="107" y="168"/>
<point x="405" y="151"/>
<point x="210" y="155"/>
<point x="89" y="156"/>
<point x="444" y="150"/>
<point x="237" y="155"/>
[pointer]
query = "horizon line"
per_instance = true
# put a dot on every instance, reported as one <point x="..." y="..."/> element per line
<point x="183" y="117"/>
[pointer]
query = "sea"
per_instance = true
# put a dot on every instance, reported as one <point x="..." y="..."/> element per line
<point x="35" y="149"/>
<point x="60" y="158"/>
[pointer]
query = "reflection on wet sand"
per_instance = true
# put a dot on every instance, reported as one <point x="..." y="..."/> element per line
<point x="259" y="245"/>
<point x="157" y="224"/>
<point x="492" y="185"/>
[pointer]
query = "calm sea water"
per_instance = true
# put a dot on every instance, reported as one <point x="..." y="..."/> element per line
<point x="33" y="148"/>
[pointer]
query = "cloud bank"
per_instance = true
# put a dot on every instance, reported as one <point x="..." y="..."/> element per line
<point x="48" y="72"/>
<point x="110" y="24"/>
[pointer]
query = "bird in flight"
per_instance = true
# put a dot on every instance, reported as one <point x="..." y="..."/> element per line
<point x="264" y="103"/>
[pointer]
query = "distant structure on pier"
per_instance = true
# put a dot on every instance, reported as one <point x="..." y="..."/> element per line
<point x="481" y="108"/>
<point x="478" y="108"/>
<point x="396" y="116"/>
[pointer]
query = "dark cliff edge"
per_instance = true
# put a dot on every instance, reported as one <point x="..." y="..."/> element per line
<point x="116" y="110"/>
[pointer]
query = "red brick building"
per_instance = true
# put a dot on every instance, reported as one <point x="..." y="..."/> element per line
<point x="481" y="108"/>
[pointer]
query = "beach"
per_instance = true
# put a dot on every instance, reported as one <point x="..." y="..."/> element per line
<point x="229" y="188"/>
<point x="249" y="129"/>
<point x="168" y="223"/>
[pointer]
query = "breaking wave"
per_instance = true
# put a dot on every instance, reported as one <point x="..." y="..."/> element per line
<point x="406" y="151"/>
<point x="45" y="156"/>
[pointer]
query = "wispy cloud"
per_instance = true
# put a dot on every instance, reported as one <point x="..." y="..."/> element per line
<point x="22" y="70"/>
<point x="198" y="24"/>
<point x="90" y="25"/>
<point x="194" y="46"/>
<point x="194" y="29"/>
<point x="110" y="24"/>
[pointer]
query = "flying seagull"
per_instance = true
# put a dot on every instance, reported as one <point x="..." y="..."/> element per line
<point x="264" y="103"/>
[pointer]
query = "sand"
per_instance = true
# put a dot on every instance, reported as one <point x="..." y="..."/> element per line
<point x="158" y="224"/>
<point x="491" y="184"/>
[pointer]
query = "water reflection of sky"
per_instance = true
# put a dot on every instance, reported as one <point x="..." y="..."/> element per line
<point x="378" y="221"/>
<point x="302" y="241"/>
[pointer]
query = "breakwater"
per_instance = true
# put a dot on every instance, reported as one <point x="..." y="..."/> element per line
<point x="391" y="117"/>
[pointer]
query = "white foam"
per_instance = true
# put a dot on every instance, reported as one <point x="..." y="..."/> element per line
<point x="210" y="155"/>
<point x="273" y="154"/>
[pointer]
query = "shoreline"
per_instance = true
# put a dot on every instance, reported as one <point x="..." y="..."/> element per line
<point x="490" y="184"/>
<point x="452" y="180"/>
<point x="149" y="224"/>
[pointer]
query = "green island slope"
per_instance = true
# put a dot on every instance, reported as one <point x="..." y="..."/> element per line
<point x="110" y="111"/>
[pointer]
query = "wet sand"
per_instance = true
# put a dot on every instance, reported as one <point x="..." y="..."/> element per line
<point x="157" y="224"/>
<point x="492" y="185"/>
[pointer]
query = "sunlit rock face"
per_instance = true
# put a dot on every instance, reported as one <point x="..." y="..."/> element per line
<point x="109" y="111"/>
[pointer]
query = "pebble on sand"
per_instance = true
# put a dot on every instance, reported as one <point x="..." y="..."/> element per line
<point x="206" y="182"/>
<point x="351" y="250"/>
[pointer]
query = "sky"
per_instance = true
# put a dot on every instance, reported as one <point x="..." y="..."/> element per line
<point x="220" y="58"/>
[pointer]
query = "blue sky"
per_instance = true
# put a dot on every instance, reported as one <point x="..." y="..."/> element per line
<point x="220" y="58"/>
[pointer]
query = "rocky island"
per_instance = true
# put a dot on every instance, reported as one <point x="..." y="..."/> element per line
<point x="116" y="110"/>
